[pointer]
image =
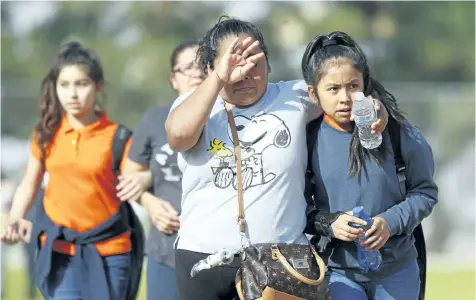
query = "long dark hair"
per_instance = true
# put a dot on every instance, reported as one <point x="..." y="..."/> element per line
<point x="50" y="109"/>
<point x="225" y="27"/>
<point x="336" y="45"/>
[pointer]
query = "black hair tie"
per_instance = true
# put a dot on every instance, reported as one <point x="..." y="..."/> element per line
<point x="328" y="42"/>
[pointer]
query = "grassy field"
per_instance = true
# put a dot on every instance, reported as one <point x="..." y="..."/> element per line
<point x="458" y="285"/>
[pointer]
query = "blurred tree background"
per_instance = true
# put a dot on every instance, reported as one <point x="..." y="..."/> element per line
<point x="423" y="52"/>
<point x="411" y="42"/>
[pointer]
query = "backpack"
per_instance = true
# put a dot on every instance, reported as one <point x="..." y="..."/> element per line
<point x="119" y="142"/>
<point x="121" y="136"/>
<point x="395" y="137"/>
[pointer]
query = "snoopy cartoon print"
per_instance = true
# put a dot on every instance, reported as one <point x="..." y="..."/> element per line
<point x="255" y="136"/>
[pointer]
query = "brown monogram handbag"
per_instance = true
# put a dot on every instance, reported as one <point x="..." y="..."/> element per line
<point x="275" y="271"/>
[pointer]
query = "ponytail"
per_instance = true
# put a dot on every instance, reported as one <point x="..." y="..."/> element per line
<point x="50" y="109"/>
<point x="319" y="52"/>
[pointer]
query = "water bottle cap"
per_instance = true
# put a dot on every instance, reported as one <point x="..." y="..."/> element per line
<point x="357" y="210"/>
<point x="359" y="96"/>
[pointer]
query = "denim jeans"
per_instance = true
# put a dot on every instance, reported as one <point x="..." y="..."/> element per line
<point x="63" y="280"/>
<point x="30" y="250"/>
<point x="403" y="285"/>
<point x="161" y="282"/>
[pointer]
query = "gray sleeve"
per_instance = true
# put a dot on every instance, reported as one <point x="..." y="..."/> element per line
<point x="141" y="146"/>
<point x="422" y="191"/>
<point x="300" y="89"/>
<point x="180" y="99"/>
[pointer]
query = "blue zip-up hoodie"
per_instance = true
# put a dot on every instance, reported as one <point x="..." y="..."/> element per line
<point x="94" y="285"/>
<point x="377" y="190"/>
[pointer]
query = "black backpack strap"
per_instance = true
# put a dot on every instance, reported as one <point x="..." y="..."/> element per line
<point x="420" y="245"/>
<point x="321" y="240"/>
<point x="119" y="142"/>
<point x="312" y="129"/>
<point x="395" y="138"/>
<point x="121" y="136"/>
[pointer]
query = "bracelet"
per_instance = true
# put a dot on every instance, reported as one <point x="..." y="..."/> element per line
<point x="219" y="78"/>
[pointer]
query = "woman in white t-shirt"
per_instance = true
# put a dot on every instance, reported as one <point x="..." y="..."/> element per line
<point x="271" y="120"/>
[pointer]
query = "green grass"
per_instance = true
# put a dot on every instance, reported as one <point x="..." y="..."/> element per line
<point x="458" y="285"/>
<point x="16" y="286"/>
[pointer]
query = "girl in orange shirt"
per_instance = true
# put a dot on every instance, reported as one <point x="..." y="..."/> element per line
<point x="88" y="239"/>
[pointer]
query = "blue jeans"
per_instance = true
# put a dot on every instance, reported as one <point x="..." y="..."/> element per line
<point x="403" y="285"/>
<point x="63" y="280"/>
<point x="160" y="281"/>
<point x="31" y="256"/>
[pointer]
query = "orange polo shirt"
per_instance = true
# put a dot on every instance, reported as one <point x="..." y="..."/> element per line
<point x="81" y="191"/>
<point x="333" y="123"/>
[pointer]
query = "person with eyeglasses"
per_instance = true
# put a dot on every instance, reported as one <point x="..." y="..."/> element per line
<point x="151" y="154"/>
<point x="185" y="74"/>
<point x="270" y="121"/>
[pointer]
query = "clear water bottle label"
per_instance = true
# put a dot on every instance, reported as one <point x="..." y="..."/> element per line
<point x="366" y="119"/>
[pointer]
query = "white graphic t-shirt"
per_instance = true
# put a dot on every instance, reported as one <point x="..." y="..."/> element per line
<point x="274" y="157"/>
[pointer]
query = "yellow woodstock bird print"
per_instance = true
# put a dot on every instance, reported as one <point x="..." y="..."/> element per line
<point x="219" y="149"/>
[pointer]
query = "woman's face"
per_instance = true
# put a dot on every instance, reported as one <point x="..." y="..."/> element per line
<point x="186" y="75"/>
<point x="249" y="90"/>
<point x="76" y="91"/>
<point x="335" y="89"/>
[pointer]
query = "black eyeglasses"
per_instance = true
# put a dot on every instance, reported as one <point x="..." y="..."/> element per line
<point x="189" y="67"/>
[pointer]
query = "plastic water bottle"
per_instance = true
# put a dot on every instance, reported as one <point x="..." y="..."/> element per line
<point x="369" y="260"/>
<point x="365" y="115"/>
<point x="219" y="258"/>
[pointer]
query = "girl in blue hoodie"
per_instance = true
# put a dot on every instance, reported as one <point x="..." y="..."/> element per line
<point x="347" y="175"/>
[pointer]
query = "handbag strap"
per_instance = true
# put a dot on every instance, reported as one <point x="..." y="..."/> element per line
<point x="241" y="212"/>
<point x="239" y="176"/>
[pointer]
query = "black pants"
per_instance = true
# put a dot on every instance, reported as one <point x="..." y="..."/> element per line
<point x="213" y="284"/>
